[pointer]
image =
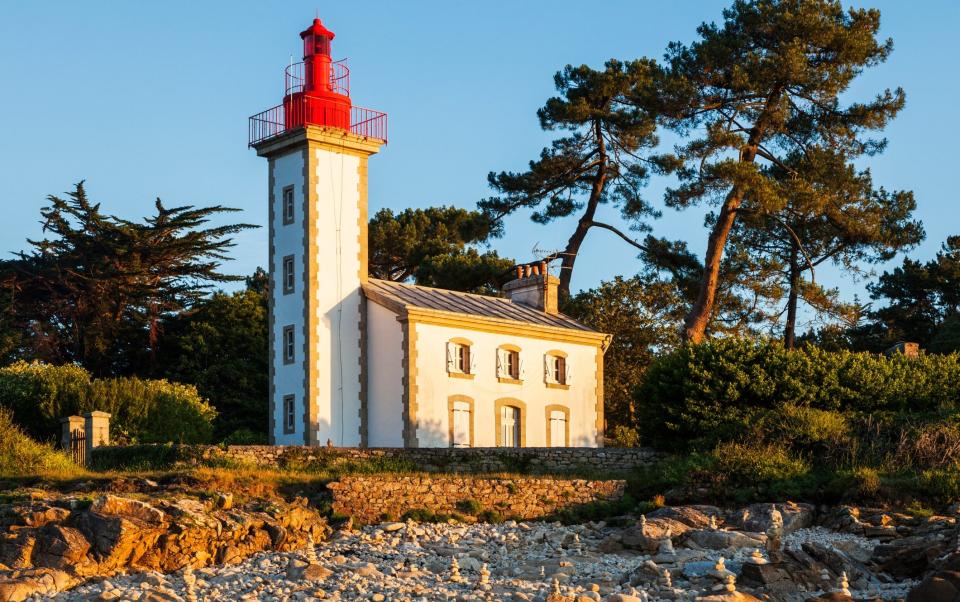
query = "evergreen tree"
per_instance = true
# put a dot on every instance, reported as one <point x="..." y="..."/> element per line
<point x="220" y="346"/>
<point x="600" y="162"/>
<point x="920" y="299"/>
<point x="762" y="86"/>
<point x="831" y="214"/>
<point x="96" y="290"/>
<point x="645" y="313"/>
<point x="437" y="246"/>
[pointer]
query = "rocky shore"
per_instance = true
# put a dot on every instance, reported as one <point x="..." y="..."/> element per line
<point x="49" y="544"/>
<point x="683" y="553"/>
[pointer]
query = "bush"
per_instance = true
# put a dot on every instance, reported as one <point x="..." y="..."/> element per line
<point x="704" y="394"/>
<point x="141" y="410"/>
<point x="245" y="436"/>
<point x="469" y="507"/>
<point x="22" y="456"/>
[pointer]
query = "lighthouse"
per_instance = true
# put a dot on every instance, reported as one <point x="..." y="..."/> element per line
<point x="317" y="144"/>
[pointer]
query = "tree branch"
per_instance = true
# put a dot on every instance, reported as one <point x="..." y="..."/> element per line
<point x="620" y="234"/>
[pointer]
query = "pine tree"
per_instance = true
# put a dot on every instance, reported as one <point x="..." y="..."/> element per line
<point x="828" y="212"/>
<point x="96" y="290"/>
<point x="437" y="246"/>
<point x="761" y="86"/>
<point x="600" y="162"/>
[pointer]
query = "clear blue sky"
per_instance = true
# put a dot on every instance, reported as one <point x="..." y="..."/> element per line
<point x="146" y="99"/>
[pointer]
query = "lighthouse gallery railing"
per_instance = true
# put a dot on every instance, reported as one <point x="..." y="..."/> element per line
<point x="364" y="122"/>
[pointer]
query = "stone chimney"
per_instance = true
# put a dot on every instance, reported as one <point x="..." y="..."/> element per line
<point x="534" y="287"/>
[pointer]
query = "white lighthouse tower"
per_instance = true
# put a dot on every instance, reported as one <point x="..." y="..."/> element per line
<point x="317" y="145"/>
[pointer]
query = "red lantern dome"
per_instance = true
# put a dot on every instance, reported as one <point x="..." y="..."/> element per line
<point x="317" y="92"/>
<point x="318" y="89"/>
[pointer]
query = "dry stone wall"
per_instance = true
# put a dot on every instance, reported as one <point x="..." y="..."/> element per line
<point x="529" y="460"/>
<point x="373" y="498"/>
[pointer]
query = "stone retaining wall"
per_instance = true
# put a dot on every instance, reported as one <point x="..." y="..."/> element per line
<point x="529" y="460"/>
<point x="373" y="498"/>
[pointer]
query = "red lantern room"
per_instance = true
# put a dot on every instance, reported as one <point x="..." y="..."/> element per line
<point x="317" y="92"/>
<point x="318" y="89"/>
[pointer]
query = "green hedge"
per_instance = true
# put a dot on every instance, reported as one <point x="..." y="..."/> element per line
<point x="703" y="394"/>
<point x="147" y="411"/>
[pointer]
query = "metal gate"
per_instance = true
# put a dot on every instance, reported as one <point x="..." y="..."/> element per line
<point x="78" y="447"/>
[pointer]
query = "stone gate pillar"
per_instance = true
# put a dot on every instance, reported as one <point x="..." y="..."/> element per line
<point x="97" y="427"/>
<point x="67" y="426"/>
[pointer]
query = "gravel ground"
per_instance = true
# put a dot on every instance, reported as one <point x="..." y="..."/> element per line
<point x="412" y="562"/>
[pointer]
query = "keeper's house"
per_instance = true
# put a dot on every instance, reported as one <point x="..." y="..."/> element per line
<point x="357" y="361"/>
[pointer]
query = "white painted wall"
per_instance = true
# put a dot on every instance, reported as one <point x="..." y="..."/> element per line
<point x="336" y="324"/>
<point x="287" y="309"/>
<point x="384" y="377"/>
<point x="337" y="263"/>
<point x="434" y="386"/>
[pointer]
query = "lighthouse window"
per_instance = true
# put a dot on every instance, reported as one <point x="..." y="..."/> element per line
<point x="289" y="277"/>
<point x="289" y="415"/>
<point x="288" y="205"/>
<point x="289" y="346"/>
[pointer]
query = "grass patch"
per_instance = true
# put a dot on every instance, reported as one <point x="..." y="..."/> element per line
<point x="21" y="456"/>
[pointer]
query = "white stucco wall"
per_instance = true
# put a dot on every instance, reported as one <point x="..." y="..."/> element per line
<point x="384" y="377"/>
<point x="337" y="357"/>
<point x="435" y="386"/>
<point x="287" y="309"/>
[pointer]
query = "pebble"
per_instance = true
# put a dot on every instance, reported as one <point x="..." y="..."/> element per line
<point x="364" y="565"/>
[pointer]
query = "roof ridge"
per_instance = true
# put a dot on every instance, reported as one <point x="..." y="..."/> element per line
<point x="441" y="299"/>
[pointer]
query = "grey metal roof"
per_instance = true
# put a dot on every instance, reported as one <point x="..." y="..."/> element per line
<point x="412" y="295"/>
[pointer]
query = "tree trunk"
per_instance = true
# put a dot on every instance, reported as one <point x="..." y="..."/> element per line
<point x="789" y="330"/>
<point x="586" y="220"/>
<point x="695" y="324"/>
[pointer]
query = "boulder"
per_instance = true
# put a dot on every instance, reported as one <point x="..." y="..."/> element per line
<point x="942" y="586"/>
<point x="837" y="561"/>
<point x="694" y="517"/>
<point x="721" y="540"/>
<point x="756" y="517"/>
<point x="908" y="558"/>
<point x="636" y="539"/>
<point x="831" y="597"/>
<point x="59" y="547"/>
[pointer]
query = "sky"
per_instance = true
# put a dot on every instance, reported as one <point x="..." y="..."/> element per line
<point x="151" y="99"/>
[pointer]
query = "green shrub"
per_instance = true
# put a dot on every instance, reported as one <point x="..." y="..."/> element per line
<point x="703" y="394"/>
<point x="940" y="484"/>
<point x="141" y="410"/>
<point x="245" y="436"/>
<point x="21" y="456"/>
<point x="622" y="436"/>
<point x="866" y="483"/>
<point x="469" y="507"/>
<point x="494" y="517"/>
<point x="745" y="463"/>
<point x="422" y="515"/>
<point x="40" y="394"/>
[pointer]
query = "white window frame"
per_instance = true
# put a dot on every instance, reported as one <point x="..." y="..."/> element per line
<point x="464" y="410"/>
<point x="289" y="342"/>
<point x="514" y="439"/>
<point x="460" y="357"/>
<point x="289" y="274"/>
<point x="289" y="414"/>
<point x="504" y="356"/>
<point x="560" y="441"/>
<point x="288" y="205"/>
